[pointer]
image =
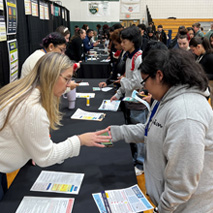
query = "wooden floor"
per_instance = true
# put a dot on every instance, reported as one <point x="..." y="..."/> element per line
<point x="140" y="179"/>
<point x="141" y="183"/>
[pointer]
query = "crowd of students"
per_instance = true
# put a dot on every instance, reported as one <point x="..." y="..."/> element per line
<point x="173" y="142"/>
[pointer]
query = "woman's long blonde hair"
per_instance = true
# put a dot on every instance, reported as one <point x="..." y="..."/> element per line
<point x="44" y="76"/>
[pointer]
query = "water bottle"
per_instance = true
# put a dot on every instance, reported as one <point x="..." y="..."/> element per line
<point x="71" y="97"/>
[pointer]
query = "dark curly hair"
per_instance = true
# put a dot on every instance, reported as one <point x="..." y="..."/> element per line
<point x="178" y="68"/>
<point x="133" y="34"/>
<point x="54" y="38"/>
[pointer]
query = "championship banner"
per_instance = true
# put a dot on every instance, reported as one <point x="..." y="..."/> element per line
<point x="98" y="9"/>
<point x="126" y="8"/>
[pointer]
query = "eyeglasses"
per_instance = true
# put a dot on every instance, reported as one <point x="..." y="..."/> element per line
<point x="143" y="82"/>
<point x="66" y="79"/>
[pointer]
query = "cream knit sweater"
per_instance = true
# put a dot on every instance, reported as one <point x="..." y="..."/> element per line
<point x="26" y="136"/>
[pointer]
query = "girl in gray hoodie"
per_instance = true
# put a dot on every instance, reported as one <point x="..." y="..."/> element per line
<point x="178" y="134"/>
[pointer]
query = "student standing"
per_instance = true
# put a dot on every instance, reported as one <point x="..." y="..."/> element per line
<point x="178" y="134"/>
<point x="130" y="42"/>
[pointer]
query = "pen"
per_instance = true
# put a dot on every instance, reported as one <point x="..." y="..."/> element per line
<point x="106" y="203"/>
<point x="104" y="104"/>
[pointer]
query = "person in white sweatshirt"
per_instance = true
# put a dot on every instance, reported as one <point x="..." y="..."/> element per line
<point x="131" y="80"/>
<point x="178" y="134"/>
<point x="53" y="42"/>
<point x="29" y="108"/>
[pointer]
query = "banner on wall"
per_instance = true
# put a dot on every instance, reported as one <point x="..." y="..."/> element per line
<point x="41" y="10"/>
<point x="13" y="59"/>
<point x="56" y="11"/>
<point x="125" y="8"/>
<point x="52" y="8"/>
<point x="46" y="12"/>
<point x="27" y="7"/>
<point x="65" y="15"/>
<point x="62" y="13"/>
<point x="34" y="7"/>
<point x="130" y="1"/>
<point x="3" y="36"/>
<point x="11" y="17"/>
<point x="98" y="9"/>
<point x="1" y="5"/>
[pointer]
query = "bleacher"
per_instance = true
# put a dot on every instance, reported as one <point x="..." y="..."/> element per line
<point x="173" y="24"/>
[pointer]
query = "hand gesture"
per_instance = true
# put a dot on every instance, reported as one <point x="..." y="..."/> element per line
<point x="113" y="98"/>
<point x="94" y="138"/>
<point x="102" y="84"/>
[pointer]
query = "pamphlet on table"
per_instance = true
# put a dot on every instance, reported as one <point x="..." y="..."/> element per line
<point x="129" y="200"/>
<point x="59" y="182"/>
<point x="84" y="95"/>
<point x="104" y="89"/>
<point x="83" y="84"/>
<point x="84" y="115"/>
<point x="105" y="60"/>
<point x="45" y="205"/>
<point x="109" y="105"/>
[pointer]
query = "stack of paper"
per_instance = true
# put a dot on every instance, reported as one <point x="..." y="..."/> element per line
<point x="127" y="200"/>
<point x="84" y="84"/>
<point x="109" y="105"/>
<point x="84" y="95"/>
<point x="84" y="115"/>
<point x="45" y="205"/>
<point x="59" y="182"/>
<point x="49" y="181"/>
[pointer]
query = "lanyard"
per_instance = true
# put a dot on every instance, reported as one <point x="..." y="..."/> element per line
<point x="44" y="50"/>
<point x="150" y="118"/>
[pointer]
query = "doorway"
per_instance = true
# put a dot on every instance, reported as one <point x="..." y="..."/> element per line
<point x="128" y="23"/>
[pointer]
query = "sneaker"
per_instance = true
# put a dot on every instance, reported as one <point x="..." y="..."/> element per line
<point x="138" y="171"/>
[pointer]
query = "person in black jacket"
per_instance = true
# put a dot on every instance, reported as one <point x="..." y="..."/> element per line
<point x="161" y="35"/>
<point x="202" y="49"/>
<point x="150" y="33"/>
<point x="75" y="48"/>
<point x="144" y="37"/>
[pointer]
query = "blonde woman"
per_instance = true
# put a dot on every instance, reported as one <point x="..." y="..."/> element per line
<point x="29" y="108"/>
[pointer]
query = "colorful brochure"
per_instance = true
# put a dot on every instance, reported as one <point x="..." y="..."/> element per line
<point x="129" y="200"/>
<point x="109" y="105"/>
<point x="84" y="115"/>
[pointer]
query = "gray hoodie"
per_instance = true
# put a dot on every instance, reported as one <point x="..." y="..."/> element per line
<point x="179" y="151"/>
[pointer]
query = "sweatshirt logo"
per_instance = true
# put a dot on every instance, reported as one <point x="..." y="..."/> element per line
<point x="155" y="122"/>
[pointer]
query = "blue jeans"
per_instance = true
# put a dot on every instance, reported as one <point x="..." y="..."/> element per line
<point x="3" y="185"/>
<point x="138" y="117"/>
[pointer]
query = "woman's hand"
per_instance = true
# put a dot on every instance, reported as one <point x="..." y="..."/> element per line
<point x="94" y="138"/>
<point x="73" y="85"/>
<point x="113" y="98"/>
<point x="102" y="84"/>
